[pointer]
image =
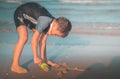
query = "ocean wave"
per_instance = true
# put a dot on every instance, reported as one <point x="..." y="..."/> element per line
<point x="96" y="28"/>
<point x="10" y="30"/>
<point x="89" y="30"/>
<point x="12" y="1"/>
<point x="7" y="30"/>
<point x="91" y="1"/>
<point x="22" y="1"/>
<point x="19" y="1"/>
<point x="67" y="1"/>
<point x="97" y="24"/>
<point x="93" y="30"/>
<point x="6" y="23"/>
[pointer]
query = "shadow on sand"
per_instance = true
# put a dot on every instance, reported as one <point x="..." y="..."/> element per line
<point x="99" y="71"/>
<point x="25" y="65"/>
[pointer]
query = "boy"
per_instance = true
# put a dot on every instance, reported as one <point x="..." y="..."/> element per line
<point x="42" y="23"/>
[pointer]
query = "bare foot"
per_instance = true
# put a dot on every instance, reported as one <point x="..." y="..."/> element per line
<point x="37" y="60"/>
<point x="18" y="69"/>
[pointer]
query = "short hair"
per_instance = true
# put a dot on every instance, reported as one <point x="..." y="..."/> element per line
<point x="64" y="25"/>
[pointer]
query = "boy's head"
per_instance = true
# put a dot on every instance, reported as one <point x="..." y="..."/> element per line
<point x="61" y="27"/>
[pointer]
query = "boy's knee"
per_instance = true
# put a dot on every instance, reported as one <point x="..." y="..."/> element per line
<point x="24" y="39"/>
<point x="32" y="40"/>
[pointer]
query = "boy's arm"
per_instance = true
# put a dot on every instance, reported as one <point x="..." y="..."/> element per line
<point x="34" y="42"/>
<point x="42" y="42"/>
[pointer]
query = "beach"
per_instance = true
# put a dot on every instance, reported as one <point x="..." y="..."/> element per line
<point x="99" y="53"/>
<point x="93" y="43"/>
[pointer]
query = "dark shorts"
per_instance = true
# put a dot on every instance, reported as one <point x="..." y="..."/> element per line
<point x="32" y="9"/>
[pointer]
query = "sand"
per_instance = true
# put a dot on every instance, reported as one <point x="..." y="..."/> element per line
<point x="78" y="56"/>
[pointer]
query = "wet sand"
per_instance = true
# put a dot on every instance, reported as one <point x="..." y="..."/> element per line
<point x="98" y="53"/>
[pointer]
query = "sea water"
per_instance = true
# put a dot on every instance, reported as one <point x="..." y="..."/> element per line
<point x="83" y="13"/>
<point x="88" y="17"/>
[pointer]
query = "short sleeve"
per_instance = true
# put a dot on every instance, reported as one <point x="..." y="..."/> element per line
<point x="43" y="23"/>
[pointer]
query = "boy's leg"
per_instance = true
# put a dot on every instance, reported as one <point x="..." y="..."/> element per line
<point x="23" y="36"/>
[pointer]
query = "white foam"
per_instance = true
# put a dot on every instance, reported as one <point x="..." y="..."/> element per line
<point x="91" y="1"/>
<point x="14" y="1"/>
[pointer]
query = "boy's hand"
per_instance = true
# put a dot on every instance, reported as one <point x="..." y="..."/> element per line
<point x="51" y="63"/>
<point x="44" y="67"/>
<point x="44" y="60"/>
<point x="37" y="60"/>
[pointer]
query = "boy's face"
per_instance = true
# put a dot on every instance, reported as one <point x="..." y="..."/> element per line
<point x="56" y="32"/>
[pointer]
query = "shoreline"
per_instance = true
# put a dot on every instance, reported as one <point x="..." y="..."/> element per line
<point x="105" y="31"/>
